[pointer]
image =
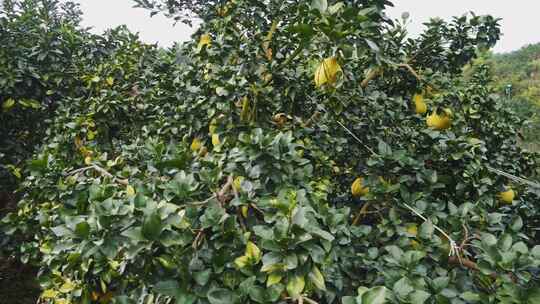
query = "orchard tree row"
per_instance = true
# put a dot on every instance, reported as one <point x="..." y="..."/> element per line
<point x="291" y="152"/>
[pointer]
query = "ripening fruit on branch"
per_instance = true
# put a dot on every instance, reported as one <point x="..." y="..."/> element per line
<point x="237" y="183"/>
<point x="205" y="40"/>
<point x="215" y="140"/>
<point x="440" y="121"/>
<point x="327" y="72"/>
<point x="419" y="104"/>
<point x="358" y="189"/>
<point x="195" y="144"/>
<point x="244" y="210"/>
<point x="507" y="196"/>
<point x="412" y="229"/>
<point x="212" y="128"/>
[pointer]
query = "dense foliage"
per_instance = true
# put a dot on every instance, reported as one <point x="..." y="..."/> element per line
<point x="521" y="70"/>
<point x="292" y="152"/>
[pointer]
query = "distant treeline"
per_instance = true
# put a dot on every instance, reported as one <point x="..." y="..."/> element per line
<point x="517" y="74"/>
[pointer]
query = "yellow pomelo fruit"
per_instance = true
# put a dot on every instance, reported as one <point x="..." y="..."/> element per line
<point x="205" y="40"/>
<point x="419" y="104"/>
<point x="215" y="140"/>
<point x="439" y="122"/>
<point x="327" y="72"/>
<point x="412" y="229"/>
<point x="507" y="196"/>
<point x="237" y="183"/>
<point x="196" y="144"/>
<point x="244" y="211"/>
<point x="358" y="189"/>
<point x="213" y="126"/>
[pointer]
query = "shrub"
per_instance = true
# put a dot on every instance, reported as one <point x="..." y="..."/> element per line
<point x="225" y="177"/>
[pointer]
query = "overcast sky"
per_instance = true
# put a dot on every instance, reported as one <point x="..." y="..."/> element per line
<point x="520" y="25"/>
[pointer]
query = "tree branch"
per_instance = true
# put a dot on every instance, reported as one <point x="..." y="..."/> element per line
<point x="101" y="171"/>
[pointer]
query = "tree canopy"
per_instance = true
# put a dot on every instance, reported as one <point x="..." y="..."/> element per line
<point x="292" y="151"/>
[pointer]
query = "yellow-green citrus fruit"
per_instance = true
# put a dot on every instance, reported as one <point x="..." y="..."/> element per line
<point x="196" y="144"/>
<point x="327" y="72"/>
<point x="358" y="189"/>
<point x="205" y="40"/>
<point x="412" y="229"/>
<point x="244" y="211"/>
<point x="213" y="126"/>
<point x="237" y="183"/>
<point x="439" y="122"/>
<point x="215" y="140"/>
<point x="419" y="104"/>
<point x="507" y="196"/>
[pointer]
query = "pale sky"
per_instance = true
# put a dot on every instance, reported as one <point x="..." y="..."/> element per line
<point x="520" y="25"/>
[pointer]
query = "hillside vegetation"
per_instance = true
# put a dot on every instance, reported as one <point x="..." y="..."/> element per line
<point x="521" y="70"/>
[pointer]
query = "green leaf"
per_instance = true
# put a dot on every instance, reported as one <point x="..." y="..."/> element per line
<point x="257" y="294"/>
<point x="317" y="278"/>
<point x="168" y="288"/>
<point x="335" y="8"/>
<point x="384" y="148"/>
<point x="419" y="296"/>
<point x="349" y="300"/>
<point x="295" y="286"/>
<point x="82" y="230"/>
<point x="534" y="296"/>
<point x="488" y="239"/>
<point x="253" y="253"/>
<point x="152" y="227"/>
<point x="8" y="104"/>
<point x="470" y="297"/>
<point x="222" y="296"/>
<point x="202" y="277"/>
<point x="299" y="217"/>
<point x="321" y="5"/>
<point x="273" y="278"/>
<point x="241" y="262"/>
<point x="67" y="287"/>
<point x="517" y="224"/>
<point x="426" y="230"/>
<point x="376" y="295"/>
<point x="403" y="288"/>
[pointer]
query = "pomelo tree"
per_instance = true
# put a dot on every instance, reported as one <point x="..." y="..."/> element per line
<point x="293" y="151"/>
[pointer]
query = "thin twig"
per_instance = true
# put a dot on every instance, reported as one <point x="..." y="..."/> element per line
<point x="202" y="202"/>
<point x="349" y="131"/>
<point x="514" y="178"/>
<point x="411" y="70"/>
<point x="300" y="299"/>
<point x="374" y="73"/>
<point x="362" y="211"/>
<point x="198" y="238"/>
<point x="100" y="170"/>
<point x="310" y="301"/>
<point x="78" y="170"/>
<point x="221" y="195"/>
<point x="454" y="249"/>
<point x="291" y="57"/>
